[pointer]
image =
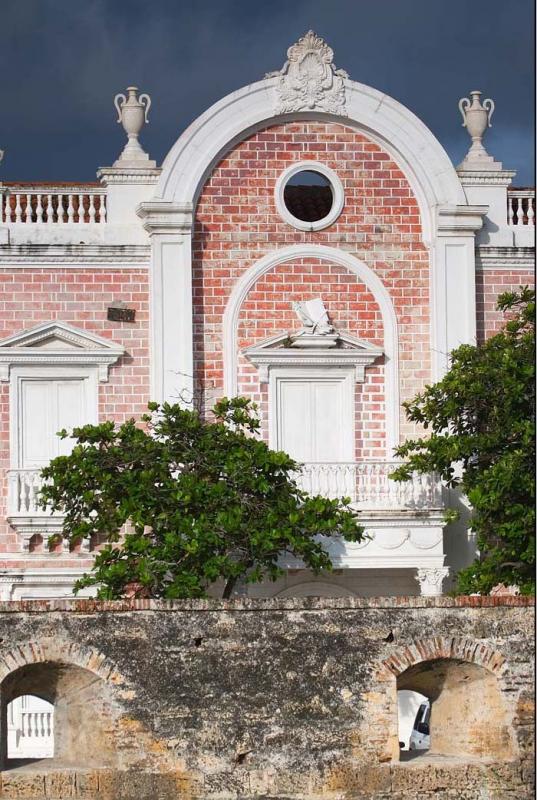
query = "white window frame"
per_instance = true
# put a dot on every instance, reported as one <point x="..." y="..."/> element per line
<point x="318" y="374"/>
<point x="338" y="195"/>
<point x="39" y="373"/>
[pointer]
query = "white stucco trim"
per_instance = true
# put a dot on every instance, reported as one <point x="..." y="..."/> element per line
<point x="363" y="273"/>
<point x="338" y="195"/>
<point x="395" y="128"/>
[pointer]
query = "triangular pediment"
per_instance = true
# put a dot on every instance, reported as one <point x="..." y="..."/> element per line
<point x="57" y="342"/>
<point x="58" y="336"/>
<point x="339" y="341"/>
<point x="297" y="350"/>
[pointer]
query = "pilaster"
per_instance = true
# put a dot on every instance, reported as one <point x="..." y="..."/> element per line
<point x="453" y="282"/>
<point x="169" y="226"/>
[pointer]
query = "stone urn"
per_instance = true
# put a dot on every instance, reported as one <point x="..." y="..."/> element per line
<point x="132" y="114"/>
<point x="476" y="119"/>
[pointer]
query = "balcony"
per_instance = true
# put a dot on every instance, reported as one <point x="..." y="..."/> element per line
<point x="403" y="522"/>
<point x="521" y="216"/>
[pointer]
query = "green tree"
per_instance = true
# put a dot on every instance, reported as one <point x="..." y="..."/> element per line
<point x="482" y="420"/>
<point x="183" y="501"/>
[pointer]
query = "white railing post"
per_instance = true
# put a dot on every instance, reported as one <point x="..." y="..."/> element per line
<point x="53" y="207"/>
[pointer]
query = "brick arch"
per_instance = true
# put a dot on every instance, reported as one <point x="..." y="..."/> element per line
<point x="69" y="653"/>
<point x="454" y="647"/>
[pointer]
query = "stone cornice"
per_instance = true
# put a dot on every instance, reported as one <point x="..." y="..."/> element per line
<point x="132" y="175"/>
<point x="83" y="256"/>
<point x="470" y="177"/>
<point x="460" y="220"/>
<point x="505" y="258"/>
<point x="163" y="217"/>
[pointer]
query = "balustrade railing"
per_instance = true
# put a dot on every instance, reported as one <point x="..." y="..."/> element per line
<point x="23" y="491"/>
<point x="36" y="724"/>
<point x="75" y="205"/>
<point x="521" y="207"/>
<point x="368" y="485"/>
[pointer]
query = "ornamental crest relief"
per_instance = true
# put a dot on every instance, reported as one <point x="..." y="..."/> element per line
<point x="309" y="80"/>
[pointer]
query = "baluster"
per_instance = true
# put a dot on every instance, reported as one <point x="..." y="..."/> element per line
<point x="70" y="208"/>
<point x="18" y="208"/>
<point x="60" y="211"/>
<point x="510" y="210"/>
<point x="80" y="209"/>
<point x="28" y="209"/>
<point x="91" y="207"/>
<point x="7" y="207"/>
<point x="102" y="208"/>
<point x="519" y="212"/>
<point x="48" y="209"/>
<point x="530" y="213"/>
<point x="39" y="208"/>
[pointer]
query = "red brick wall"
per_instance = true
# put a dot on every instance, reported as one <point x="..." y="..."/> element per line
<point x="237" y="223"/>
<point x="29" y="297"/>
<point x="489" y="283"/>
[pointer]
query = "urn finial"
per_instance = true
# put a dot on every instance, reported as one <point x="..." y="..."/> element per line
<point x="476" y="119"/>
<point x="132" y="114"/>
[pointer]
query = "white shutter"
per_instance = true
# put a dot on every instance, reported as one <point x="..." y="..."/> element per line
<point x="47" y="406"/>
<point x="315" y="418"/>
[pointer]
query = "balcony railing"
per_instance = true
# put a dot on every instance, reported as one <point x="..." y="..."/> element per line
<point x="521" y="207"/>
<point x="366" y="483"/>
<point x="369" y="487"/>
<point x="58" y="205"/>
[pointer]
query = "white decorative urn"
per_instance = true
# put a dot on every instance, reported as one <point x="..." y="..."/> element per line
<point x="132" y="114"/>
<point x="476" y="119"/>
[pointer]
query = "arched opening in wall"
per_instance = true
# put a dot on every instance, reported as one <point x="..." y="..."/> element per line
<point x="30" y="728"/>
<point x="79" y="730"/>
<point x="463" y="714"/>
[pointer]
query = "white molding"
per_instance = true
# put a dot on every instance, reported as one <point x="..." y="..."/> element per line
<point x="364" y="274"/>
<point x="338" y="195"/>
<point x="75" y="256"/>
<point x="507" y="258"/>
<point x="381" y="118"/>
<point x="73" y="347"/>
<point x="358" y="354"/>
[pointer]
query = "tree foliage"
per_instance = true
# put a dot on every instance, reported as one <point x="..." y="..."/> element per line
<point x="482" y="420"/>
<point x="183" y="501"/>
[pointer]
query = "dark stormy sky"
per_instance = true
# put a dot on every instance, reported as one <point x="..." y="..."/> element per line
<point x="61" y="62"/>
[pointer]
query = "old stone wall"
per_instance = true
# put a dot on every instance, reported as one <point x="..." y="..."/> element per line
<point x="289" y="698"/>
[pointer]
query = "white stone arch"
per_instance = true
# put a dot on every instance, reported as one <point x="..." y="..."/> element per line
<point x="448" y="222"/>
<point x="385" y="121"/>
<point x="365" y="274"/>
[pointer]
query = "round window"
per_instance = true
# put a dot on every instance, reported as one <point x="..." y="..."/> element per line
<point x="309" y="196"/>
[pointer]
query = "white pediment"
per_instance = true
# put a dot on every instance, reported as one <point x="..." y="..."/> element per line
<point x="297" y="349"/>
<point x="58" y="343"/>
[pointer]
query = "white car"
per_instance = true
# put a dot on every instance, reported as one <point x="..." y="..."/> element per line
<point x="420" y="738"/>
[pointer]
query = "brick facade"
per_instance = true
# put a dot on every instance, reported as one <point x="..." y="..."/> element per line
<point x="237" y="223"/>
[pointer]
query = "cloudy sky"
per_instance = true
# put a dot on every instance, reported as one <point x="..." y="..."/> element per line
<point x="62" y="62"/>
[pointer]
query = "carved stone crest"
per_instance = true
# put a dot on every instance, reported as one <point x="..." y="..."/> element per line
<point x="309" y="79"/>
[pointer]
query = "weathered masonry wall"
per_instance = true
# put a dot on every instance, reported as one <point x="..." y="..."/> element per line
<point x="291" y="698"/>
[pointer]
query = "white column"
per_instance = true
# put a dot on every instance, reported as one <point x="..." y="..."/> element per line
<point x="172" y="366"/>
<point x="453" y="282"/>
<point x="430" y="580"/>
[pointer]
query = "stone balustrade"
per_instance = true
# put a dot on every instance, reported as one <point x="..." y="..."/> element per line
<point x="53" y="205"/>
<point x="521" y="207"/>
<point x="366" y="483"/>
<point x="369" y="486"/>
